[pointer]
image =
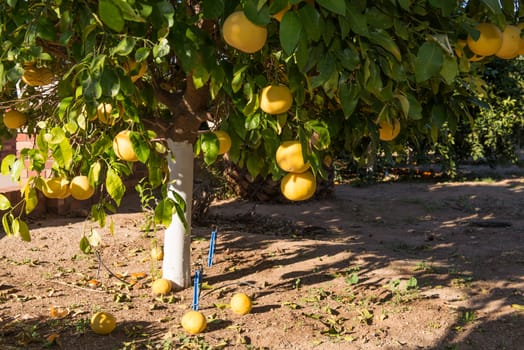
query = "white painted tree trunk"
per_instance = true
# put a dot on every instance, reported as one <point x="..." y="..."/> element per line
<point x="177" y="240"/>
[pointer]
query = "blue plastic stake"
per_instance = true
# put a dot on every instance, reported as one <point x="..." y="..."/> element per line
<point x="196" y="288"/>
<point x="212" y="248"/>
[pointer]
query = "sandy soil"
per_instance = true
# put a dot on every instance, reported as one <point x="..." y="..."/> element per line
<point x="410" y="265"/>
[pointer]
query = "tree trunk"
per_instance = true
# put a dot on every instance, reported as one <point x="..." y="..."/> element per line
<point x="177" y="239"/>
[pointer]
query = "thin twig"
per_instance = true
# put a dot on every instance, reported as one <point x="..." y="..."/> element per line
<point x="78" y="287"/>
<point x="100" y="262"/>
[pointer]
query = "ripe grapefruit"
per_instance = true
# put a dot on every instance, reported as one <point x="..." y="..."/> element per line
<point x="298" y="187"/>
<point x="224" y="141"/>
<point x="34" y="76"/>
<point x="489" y="41"/>
<point x="56" y="187"/>
<point x="14" y="119"/>
<point x="103" y="323"/>
<point x="289" y="157"/>
<point x="80" y="188"/>
<point x="161" y="286"/>
<point x="521" y="42"/>
<point x="105" y="113"/>
<point x="123" y="147"/>
<point x="242" y="34"/>
<point x="510" y="43"/>
<point x="275" y="99"/>
<point x="193" y="322"/>
<point x="240" y="303"/>
<point x="157" y="253"/>
<point x="388" y="131"/>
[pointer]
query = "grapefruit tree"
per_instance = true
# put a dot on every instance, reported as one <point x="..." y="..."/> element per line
<point x="104" y="85"/>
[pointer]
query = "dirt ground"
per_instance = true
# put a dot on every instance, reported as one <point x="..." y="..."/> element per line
<point x="399" y="265"/>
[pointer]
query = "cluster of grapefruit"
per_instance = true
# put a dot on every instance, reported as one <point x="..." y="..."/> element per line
<point x="299" y="183"/>
<point x="60" y="187"/>
<point x="195" y="322"/>
<point x="492" y="41"/>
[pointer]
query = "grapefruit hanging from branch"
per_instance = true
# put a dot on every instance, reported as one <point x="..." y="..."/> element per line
<point x="242" y="34"/>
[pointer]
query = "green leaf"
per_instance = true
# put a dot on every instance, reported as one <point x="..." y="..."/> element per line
<point x="209" y="145"/>
<point x="110" y="83"/>
<point x="428" y="62"/>
<point x="128" y="13"/>
<point x="415" y="108"/>
<point x="447" y="6"/>
<point x="85" y="247"/>
<point x="115" y="186"/>
<point x="336" y="6"/>
<point x="256" y="13"/>
<point x="57" y="135"/>
<point x="348" y="94"/>
<point x="31" y="199"/>
<point x="290" y="32"/>
<point x="140" y="147"/>
<point x="212" y="8"/>
<point x="252" y="122"/>
<point x="7" y="220"/>
<point x="254" y="165"/>
<point x="161" y="48"/>
<point x="404" y="104"/>
<point x="382" y="38"/>
<point x="356" y="20"/>
<point x="493" y="6"/>
<point x="311" y="22"/>
<point x="111" y="15"/>
<point x="142" y="53"/>
<point x="23" y="231"/>
<point x="7" y="163"/>
<point x="449" y="69"/>
<point x="164" y="212"/>
<point x="63" y="154"/>
<point x="4" y="202"/>
<point x="124" y="47"/>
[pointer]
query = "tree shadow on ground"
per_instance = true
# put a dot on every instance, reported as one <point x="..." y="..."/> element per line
<point x="467" y="238"/>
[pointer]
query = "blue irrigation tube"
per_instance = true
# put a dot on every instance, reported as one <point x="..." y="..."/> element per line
<point x="212" y="248"/>
<point x="196" y="288"/>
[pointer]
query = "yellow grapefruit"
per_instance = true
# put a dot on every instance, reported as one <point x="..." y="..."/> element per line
<point x="34" y="76"/>
<point x="521" y="42"/>
<point x="103" y="323"/>
<point x="157" y="253"/>
<point x="489" y="41"/>
<point x="289" y="157"/>
<point x="298" y="187"/>
<point x="161" y="286"/>
<point x="14" y="119"/>
<point x="510" y="43"/>
<point x="105" y="114"/>
<point x="275" y="99"/>
<point x="388" y="131"/>
<point x="242" y="34"/>
<point x="224" y="141"/>
<point x="56" y="187"/>
<point x="193" y="322"/>
<point x="123" y="147"/>
<point x="240" y="303"/>
<point x="80" y="188"/>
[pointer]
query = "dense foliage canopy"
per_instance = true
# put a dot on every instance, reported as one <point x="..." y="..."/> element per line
<point x="163" y="68"/>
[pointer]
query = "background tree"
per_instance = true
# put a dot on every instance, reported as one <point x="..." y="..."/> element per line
<point x="363" y="76"/>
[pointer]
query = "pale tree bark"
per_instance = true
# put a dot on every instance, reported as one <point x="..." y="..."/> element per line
<point x="177" y="238"/>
